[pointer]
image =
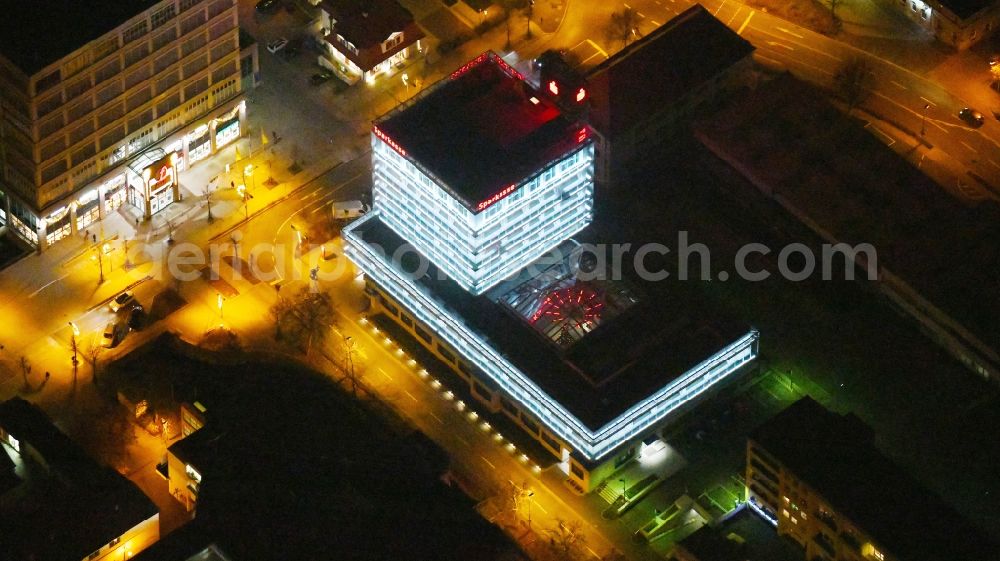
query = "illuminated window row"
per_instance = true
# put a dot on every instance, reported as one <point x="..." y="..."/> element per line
<point x="592" y="445"/>
<point x="479" y="249"/>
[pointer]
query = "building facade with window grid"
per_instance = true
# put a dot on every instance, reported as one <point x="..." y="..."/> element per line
<point x="77" y="110"/>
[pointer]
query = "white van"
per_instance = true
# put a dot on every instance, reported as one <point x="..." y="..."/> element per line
<point x="347" y="210"/>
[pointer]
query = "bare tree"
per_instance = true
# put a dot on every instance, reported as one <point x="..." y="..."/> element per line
<point x="208" y="194"/>
<point x="305" y="319"/>
<point x="567" y="539"/>
<point x="834" y="4"/>
<point x="105" y="431"/>
<point x="854" y="82"/>
<point x="624" y="26"/>
<point x="91" y="352"/>
<point x="509" y="8"/>
<point x="25" y="369"/>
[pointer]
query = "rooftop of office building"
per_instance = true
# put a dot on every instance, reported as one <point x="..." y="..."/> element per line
<point x="481" y="130"/>
<point x="598" y="346"/>
<point x="35" y="34"/>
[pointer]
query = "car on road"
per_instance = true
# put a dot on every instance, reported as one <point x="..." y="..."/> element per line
<point x="320" y="78"/>
<point x="268" y="6"/>
<point x="347" y="210"/>
<point x="136" y="318"/>
<point x="122" y="300"/>
<point x="274" y="46"/>
<point x="971" y="117"/>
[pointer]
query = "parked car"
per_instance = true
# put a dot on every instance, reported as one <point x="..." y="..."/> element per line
<point x="293" y="47"/>
<point x="971" y="117"/>
<point x="136" y="318"/>
<point x="108" y="340"/>
<point x="320" y="78"/>
<point x="276" y="45"/>
<point x="268" y="6"/>
<point x="122" y="300"/>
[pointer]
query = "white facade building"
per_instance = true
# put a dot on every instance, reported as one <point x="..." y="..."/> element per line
<point x="509" y="230"/>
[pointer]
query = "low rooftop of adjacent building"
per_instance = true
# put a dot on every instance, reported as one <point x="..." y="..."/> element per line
<point x="942" y="245"/>
<point x="661" y="69"/>
<point x="35" y="34"/>
<point x="480" y="130"/>
<point x="69" y="509"/>
<point x="966" y="8"/>
<point x="367" y="23"/>
<point x="834" y="454"/>
<point x="596" y="346"/>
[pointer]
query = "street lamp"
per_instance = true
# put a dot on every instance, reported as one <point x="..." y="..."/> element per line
<point x="406" y="82"/>
<point x="923" y="120"/>
<point x="623" y="488"/>
<point x="349" y="344"/>
<point x="531" y="9"/>
<point x="106" y="249"/>
<point x="100" y="263"/>
<point x="248" y="171"/>
<point x="72" y="341"/>
<point x="219" y="300"/>
<point x="245" y="195"/>
<point x="530" y="494"/>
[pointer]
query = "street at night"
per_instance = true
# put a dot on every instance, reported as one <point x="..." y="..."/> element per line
<point x="551" y="280"/>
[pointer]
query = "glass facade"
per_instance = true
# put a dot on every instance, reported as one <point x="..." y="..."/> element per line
<point x="478" y="250"/>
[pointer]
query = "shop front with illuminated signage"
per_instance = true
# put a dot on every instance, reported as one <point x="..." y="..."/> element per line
<point x="115" y="193"/>
<point x="227" y="129"/>
<point x="57" y="225"/>
<point x="152" y="182"/>
<point x="88" y="209"/>
<point x="199" y="144"/>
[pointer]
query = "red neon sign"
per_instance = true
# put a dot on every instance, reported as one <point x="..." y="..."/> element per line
<point x="581" y="94"/>
<point x="553" y="87"/>
<point x="481" y="59"/>
<point x="581" y="135"/>
<point x="496" y="197"/>
<point x="469" y="65"/>
<point x="508" y="68"/>
<point x="385" y="138"/>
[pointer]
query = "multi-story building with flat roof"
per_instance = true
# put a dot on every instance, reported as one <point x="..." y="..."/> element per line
<point x="481" y="186"/>
<point x="643" y="93"/>
<point x="957" y="23"/>
<point x="58" y="504"/>
<point x="105" y="106"/>
<point x="818" y="477"/>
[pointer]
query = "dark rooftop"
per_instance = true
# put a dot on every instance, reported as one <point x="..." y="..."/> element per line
<point x="835" y="455"/>
<point x="787" y="137"/>
<point x="478" y="131"/>
<point x="743" y="536"/>
<point x="366" y="23"/>
<point x="966" y="8"/>
<point x="75" y="510"/>
<point x="35" y="34"/>
<point x="620" y="362"/>
<point x="660" y="69"/>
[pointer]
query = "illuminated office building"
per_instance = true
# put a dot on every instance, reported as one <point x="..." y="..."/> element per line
<point x="101" y="107"/>
<point x="481" y="186"/>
